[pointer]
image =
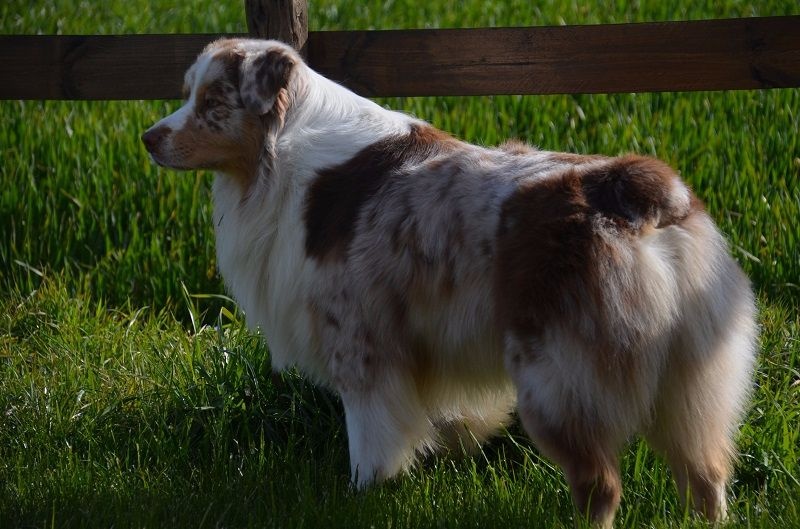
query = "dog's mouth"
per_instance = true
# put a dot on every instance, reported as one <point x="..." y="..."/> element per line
<point x="154" y="158"/>
<point x="168" y="164"/>
<point x="158" y="158"/>
<point x="161" y="161"/>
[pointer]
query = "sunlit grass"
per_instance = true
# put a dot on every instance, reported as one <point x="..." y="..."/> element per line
<point x="131" y="393"/>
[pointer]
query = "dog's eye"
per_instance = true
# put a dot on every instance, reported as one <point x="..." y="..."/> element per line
<point x="211" y="103"/>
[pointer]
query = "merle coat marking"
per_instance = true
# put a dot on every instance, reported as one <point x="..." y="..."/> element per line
<point x="435" y="285"/>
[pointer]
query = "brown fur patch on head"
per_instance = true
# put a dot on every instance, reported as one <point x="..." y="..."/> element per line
<point x="216" y="103"/>
<point x="336" y="198"/>
<point x="218" y="134"/>
<point x="199" y="145"/>
<point x="264" y="80"/>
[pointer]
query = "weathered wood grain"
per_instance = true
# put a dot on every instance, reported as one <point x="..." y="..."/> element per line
<point x="745" y="53"/>
<point x="748" y="53"/>
<point x="96" y="66"/>
<point x="284" y="20"/>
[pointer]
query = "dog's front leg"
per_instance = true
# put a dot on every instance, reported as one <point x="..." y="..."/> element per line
<point x="386" y="426"/>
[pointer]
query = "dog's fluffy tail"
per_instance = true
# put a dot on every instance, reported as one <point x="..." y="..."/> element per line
<point x="637" y="191"/>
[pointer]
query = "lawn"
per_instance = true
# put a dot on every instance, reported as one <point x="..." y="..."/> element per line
<point x="132" y="394"/>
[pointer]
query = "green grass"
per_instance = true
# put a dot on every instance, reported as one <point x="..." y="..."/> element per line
<point x="132" y="395"/>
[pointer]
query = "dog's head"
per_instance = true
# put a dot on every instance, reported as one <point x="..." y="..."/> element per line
<point x="237" y="95"/>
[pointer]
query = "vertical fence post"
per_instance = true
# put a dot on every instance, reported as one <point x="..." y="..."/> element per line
<point x="284" y="20"/>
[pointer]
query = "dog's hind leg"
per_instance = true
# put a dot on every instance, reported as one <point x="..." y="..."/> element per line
<point x="697" y="413"/>
<point x="563" y="412"/>
<point x="708" y="375"/>
<point x="589" y="460"/>
<point x="386" y="426"/>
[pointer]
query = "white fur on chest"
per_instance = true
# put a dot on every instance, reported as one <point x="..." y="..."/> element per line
<point x="260" y="255"/>
<point x="260" y="240"/>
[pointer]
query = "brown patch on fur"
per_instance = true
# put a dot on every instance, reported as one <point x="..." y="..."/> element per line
<point x="332" y="320"/>
<point x="544" y="246"/>
<point x="214" y="105"/>
<point x="551" y="249"/>
<point x="590" y="467"/>
<point x="273" y="68"/>
<point x="265" y="82"/>
<point x="233" y="65"/>
<point x="219" y="135"/>
<point x="200" y="146"/>
<point x="569" y="158"/>
<point x="517" y="147"/>
<point x="223" y="91"/>
<point x="336" y="198"/>
<point x="695" y="204"/>
<point x="405" y="239"/>
<point x="265" y="92"/>
<point x="634" y="190"/>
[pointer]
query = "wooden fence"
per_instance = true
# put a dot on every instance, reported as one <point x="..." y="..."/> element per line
<point x="728" y="54"/>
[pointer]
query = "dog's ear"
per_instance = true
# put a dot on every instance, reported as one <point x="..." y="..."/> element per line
<point x="264" y="80"/>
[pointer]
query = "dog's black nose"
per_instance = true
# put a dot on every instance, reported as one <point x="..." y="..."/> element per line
<point x="154" y="136"/>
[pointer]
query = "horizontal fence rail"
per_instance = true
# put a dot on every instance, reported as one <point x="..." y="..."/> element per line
<point x="727" y="54"/>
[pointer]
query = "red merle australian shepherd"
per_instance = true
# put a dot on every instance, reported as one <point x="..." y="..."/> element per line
<point x="437" y="286"/>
